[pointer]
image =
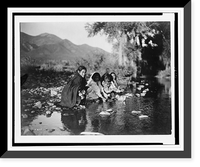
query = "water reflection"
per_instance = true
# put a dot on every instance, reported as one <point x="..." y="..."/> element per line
<point x="155" y="107"/>
<point x="167" y="85"/>
<point x="156" y="87"/>
<point x="74" y="121"/>
<point x="150" y="96"/>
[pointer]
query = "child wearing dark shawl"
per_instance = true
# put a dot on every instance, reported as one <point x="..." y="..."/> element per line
<point x="74" y="92"/>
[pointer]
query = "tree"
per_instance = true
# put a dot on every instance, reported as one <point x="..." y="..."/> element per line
<point x="116" y="33"/>
<point x="136" y="41"/>
<point x="123" y="35"/>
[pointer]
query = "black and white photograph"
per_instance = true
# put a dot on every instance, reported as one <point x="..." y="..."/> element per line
<point x="118" y="85"/>
<point x="86" y="80"/>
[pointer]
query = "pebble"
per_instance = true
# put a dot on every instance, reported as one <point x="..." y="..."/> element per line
<point x="109" y="110"/>
<point x="48" y="112"/>
<point x="136" y="112"/>
<point x="121" y="98"/>
<point x="62" y="128"/>
<point x="143" y="117"/>
<point x="38" y="104"/>
<point x="143" y="94"/>
<point x="28" y="132"/>
<point x="46" y="92"/>
<point x="137" y="94"/>
<point x="104" y="113"/>
<point x="144" y="91"/>
<point x="141" y="86"/>
<point x="50" y="104"/>
<point x="51" y="130"/>
<point x="53" y="92"/>
<point x="24" y="116"/>
<point x="128" y="95"/>
<point x="26" y="110"/>
<point x="82" y="107"/>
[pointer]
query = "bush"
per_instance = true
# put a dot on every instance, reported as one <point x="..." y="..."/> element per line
<point x="165" y="73"/>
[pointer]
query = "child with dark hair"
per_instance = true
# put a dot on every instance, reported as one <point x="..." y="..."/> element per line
<point x="105" y="74"/>
<point x="95" y="90"/>
<point x="74" y="92"/>
<point x="114" y="79"/>
<point x="108" y="84"/>
<point x="115" y="82"/>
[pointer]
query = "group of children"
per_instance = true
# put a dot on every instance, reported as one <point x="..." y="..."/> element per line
<point x="98" y="87"/>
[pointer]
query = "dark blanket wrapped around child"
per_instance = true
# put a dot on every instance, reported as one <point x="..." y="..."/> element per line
<point x="70" y="94"/>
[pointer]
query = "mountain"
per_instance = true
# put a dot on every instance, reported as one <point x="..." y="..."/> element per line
<point x="41" y="39"/>
<point x="46" y="46"/>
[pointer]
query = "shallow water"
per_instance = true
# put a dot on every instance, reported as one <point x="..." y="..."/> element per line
<point x="144" y="108"/>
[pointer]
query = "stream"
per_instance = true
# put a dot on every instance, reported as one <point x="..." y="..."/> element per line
<point x="143" y="109"/>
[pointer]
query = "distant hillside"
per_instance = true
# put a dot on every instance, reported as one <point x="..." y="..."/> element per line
<point x="39" y="40"/>
<point x="46" y="46"/>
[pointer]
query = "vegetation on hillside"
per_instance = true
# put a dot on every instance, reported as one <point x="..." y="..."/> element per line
<point x="47" y="47"/>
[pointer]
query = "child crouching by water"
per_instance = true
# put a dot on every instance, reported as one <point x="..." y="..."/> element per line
<point x="109" y="87"/>
<point x="73" y="93"/>
<point x="95" y="90"/>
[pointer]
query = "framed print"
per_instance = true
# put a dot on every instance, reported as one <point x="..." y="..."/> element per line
<point x="99" y="82"/>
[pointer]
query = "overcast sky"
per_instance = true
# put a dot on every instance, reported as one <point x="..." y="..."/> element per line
<point x="73" y="31"/>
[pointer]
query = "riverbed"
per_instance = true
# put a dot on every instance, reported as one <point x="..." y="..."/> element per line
<point x="144" y="108"/>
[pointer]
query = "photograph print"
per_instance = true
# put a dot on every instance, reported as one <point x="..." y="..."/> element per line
<point x="95" y="79"/>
